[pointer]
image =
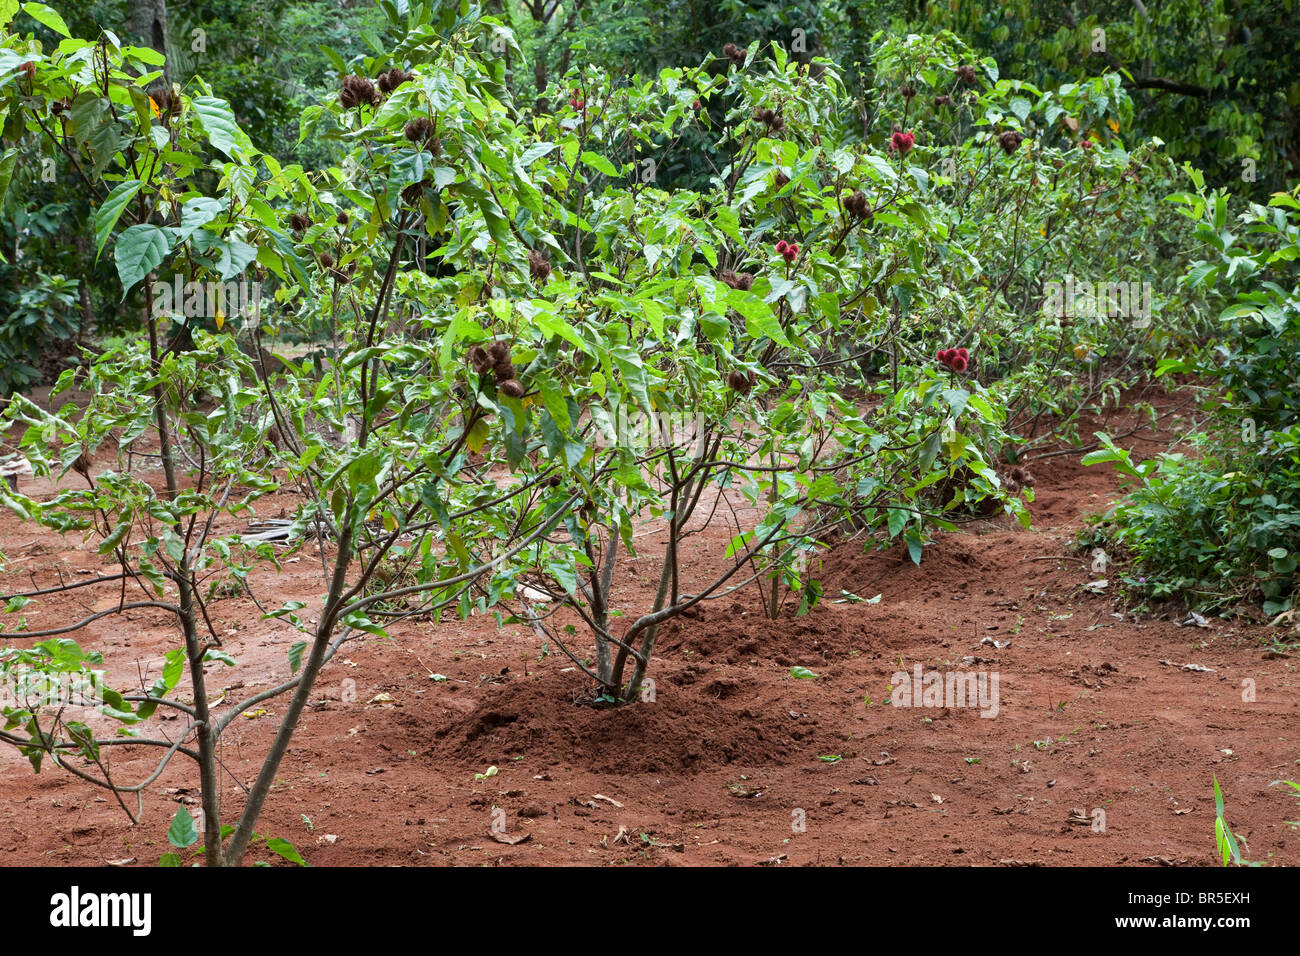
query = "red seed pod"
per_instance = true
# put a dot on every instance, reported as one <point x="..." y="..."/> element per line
<point x="958" y="364"/>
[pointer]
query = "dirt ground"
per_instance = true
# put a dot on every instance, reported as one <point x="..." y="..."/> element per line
<point x="1101" y="751"/>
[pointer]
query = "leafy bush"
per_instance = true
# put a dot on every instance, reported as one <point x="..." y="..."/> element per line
<point x="1223" y="523"/>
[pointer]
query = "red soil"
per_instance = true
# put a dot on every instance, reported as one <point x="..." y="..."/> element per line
<point x="735" y="761"/>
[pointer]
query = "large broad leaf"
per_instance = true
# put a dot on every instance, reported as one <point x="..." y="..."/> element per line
<point x="140" y="250"/>
<point x="760" y="320"/>
<point x="107" y="215"/>
<point x="7" y="170"/>
<point x="43" y="14"/>
<point x="219" y="121"/>
<point x="197" y="212"/>
<point x="182" y="833"/>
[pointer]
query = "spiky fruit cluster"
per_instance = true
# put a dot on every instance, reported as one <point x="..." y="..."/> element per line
<point x="357" y="90"/>
<point x="298" y="222"/>
<point x="944" y="100"/>
<point x="956" y="359"/>
<point x="908" y="91"/>
<point x="539" y="267"/>
<point x="741" y="382"/>
<point x="412" y="193"/>
<point x="770" y="118"/>
<point x="393" y="79"/>
<point x="902" y="142"/>
<point x="789" y="250"/>
<point x="737" y="280"/>
<point x="419" y="130"/>
<point x="734" y="53"/>
<point x="1010" y="141"/>
<point x="167" y="100"/>
<point x="857" y="205"/>
<point x="495" y="360"/>
<point x="965" y="73"/>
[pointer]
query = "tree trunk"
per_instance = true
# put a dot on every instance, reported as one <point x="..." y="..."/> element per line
<point x="147" y="20"/>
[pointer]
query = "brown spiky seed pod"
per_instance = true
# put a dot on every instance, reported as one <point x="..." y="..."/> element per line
<point x="327" y="260"/>
<point x="1010" y="141"/>
<point x="479" y="360"/>
<point x="393" y="79"/>
<point x="765" y="116"/>
<point x="298" y="222"/>
<point x="418" y="130"/>
<point x="727" y="278"/>
<point x="357" y="90"/>
<point x="781" y="180"/>
<point x="167" y="101"/>
<point x="966" y="73"/>
<point x="513" y="388"/>
<point x="539" y="267"/>
<point x="744" y="281"/>
<point x="734" y="53"/>
<point x="739" y="382"/>
<point x="412" y="193"/>
<point x="908" y="91"/>
<point x="944" y="100"/>
<point x="82" y="465"/>
<point x="434" y="146"/>
<point x="343" y="218"/>
<point x="857" y="205"/>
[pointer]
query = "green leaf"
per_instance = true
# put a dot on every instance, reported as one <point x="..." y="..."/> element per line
<point x="760" y="320"/>
<point x="173" y="668"/>
<point x="197" y="212"/>
<point x="802" y="673"/>
<point x="599" y="163"/>
<point x="119" y="534"/>
<point x="295" y="656"/>
<point x="553" y="399"/>
<point x="42" y="13"/>
<point x="285" y="849"/>
<point x="139" y="251"/>
<point x="7" y="169"/>
<point x="107" y="215"/>
<point x="219" y="122"/>
<point x="182" y="833"/>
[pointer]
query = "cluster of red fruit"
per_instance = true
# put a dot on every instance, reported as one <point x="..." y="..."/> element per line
<point x="576" y="102"/>
<point x="955" y="359"/>
<point x="788" y="249"/>
<point x="902" y="142"/>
